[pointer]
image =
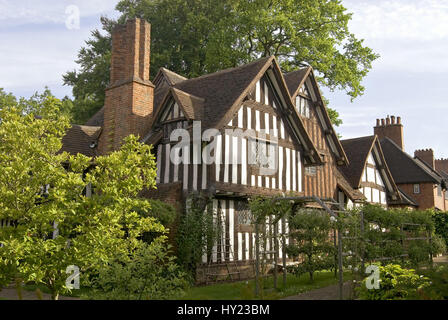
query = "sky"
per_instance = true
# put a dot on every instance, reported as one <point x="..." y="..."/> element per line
<point x="39" y="42"/>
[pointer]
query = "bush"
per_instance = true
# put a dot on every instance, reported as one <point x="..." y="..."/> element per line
<point x="438" y="287"/>
<point x="396" y="283"/>
<point x="148" y="274"/>
<point x="310" y="229"/>
<point x="441" y="224"/>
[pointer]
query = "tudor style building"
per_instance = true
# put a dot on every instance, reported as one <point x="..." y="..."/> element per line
<point x="368" y="172"/>
<point x="267" y="133"/>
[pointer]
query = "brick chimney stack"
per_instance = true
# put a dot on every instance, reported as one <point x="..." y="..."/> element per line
<point x="129" y="98"/>
<point x="426" y="155"/>
<point x="442" y="165"/>
<point x="391" y="128"/>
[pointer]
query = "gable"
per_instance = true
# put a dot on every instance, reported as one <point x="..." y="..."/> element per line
<point x="309" y="104"/>
<point x="259" y="112"/>
<point x="368" y="169"/>
<point x="172" y="112"/>
<point x="268" y="91"/>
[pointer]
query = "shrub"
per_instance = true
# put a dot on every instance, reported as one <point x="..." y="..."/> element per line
<point x="310" y="229"/>
<point x="148" y="274"/>
<point x="396" y="283"/>
<point x="441" y="224"/>
<point x="438" y="287"/>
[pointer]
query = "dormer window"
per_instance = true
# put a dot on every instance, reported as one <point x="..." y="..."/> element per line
<point x="303" y="102"/>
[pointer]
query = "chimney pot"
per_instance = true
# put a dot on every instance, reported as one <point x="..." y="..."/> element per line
<point x="377" y="122"/>
<point x="393" y="132"/>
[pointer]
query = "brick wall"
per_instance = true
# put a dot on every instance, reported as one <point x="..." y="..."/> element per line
<point x="425" y="199"/>
<point x="426" y="155"/>
<point x="130" y="95"/>
<point x="441" y="164"/>
<point x="391" y="128"/>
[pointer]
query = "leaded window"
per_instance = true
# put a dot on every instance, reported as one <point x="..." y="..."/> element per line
<point x="243" y="213"/>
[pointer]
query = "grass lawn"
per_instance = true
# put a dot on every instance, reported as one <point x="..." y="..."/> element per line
<point x="244" y="290"/>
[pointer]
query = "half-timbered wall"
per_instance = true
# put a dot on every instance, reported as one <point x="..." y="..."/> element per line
<point x="372" y="185"/>
<point x="321" y="180"/>
<point x="237" y="242"/>
<point x="232" y="166"/>
<point x="259" y="113"/>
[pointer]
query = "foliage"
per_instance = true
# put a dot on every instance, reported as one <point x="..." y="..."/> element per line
<point x="198" y="232"/>
<point x="438" y="286"/>
<point x="42" y="192"/>
<point x="441" y="224"/>
<point x="148" y="273"/>
<point x="396" y="283"/>
<point x="438" y="245"/>
<point x="311" y="231"/>
<point x="197" y="37"/>
<point x="389" y="234"/>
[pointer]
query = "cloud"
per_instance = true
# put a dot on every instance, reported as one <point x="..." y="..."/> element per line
<point x="14" y="13"/>
<point x="421" y="20"/>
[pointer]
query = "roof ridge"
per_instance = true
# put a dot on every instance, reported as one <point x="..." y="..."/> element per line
<point x="172" y="72"/>
<point x="298" y="70"/>
<point x="220" y="72"/>
<point x="358" y="138"/>
<point x="186" y="93"/>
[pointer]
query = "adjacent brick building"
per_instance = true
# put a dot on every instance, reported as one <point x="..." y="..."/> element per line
<point x="416" y="177"/>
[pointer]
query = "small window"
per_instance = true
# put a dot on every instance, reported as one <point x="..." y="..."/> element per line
<point x="243" y="213"/>
<point x="310" y="171"/>
<point x="439" y="190"/>
<point x="416" y="188"/>
<point x="263" y="156"/>
<point x="303" y="106"/>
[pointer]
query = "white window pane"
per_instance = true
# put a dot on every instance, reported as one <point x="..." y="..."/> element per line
<point x="376" y="196"/>
<point x="378" y="178"/>
<point x="370" y="174"/>
<point x="368" y="194"/>
<point x="383" y="198"/>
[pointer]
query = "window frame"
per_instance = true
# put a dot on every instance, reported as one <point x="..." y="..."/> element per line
<point x="417" y="189"/>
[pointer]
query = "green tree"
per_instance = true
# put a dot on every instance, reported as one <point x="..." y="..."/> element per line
<point x="195" y="37"/>
<point x="54" y="223"/>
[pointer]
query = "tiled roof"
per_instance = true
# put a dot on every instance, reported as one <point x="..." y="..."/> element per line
<point x="403" y="167"/>
<point x="220" y="90"/>
<point x="97" y="120"/>
<point x="81" y="139"/>
<point x="353" y="194"/>
<point x="357" y="151"/>
<point x="172" y="77"/>
<point x="192" y="105"/>
<point x="295" y="79"/>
